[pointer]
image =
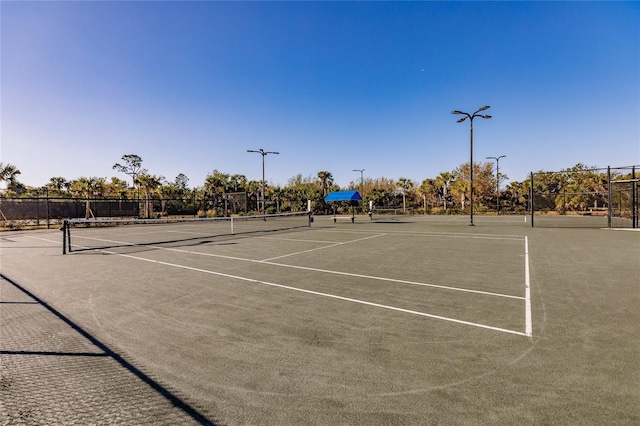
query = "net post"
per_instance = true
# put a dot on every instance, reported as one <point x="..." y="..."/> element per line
<point x="65" y="237"/>
<point x="609" y="196"/>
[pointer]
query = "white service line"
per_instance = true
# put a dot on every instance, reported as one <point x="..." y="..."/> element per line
<point x="346" y="274"/>
<point x="322" y="248"/>
<point x="437" y="234"/>
<point x="317" y="293"/>
<point x="41" y="239"/>
<point x="326" y="271"/>
<point x="297" y="240"/>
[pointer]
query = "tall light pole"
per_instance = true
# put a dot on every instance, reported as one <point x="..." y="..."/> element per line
<point x="471" y="117"/>
<point x="263" y="153"/>
<point x="361" y="184"/>
<point x="361" y="179"/>
<point x="497" y="181"/>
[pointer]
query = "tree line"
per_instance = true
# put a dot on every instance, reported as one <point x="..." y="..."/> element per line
<point x="573" y="189"/>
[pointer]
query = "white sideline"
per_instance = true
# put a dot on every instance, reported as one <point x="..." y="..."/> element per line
<point x="317" y="293"/>
<point x="527" y="291"/>
<point x="528" y="326"/>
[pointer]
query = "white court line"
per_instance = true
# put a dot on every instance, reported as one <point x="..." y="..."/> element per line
<point x="301" y="240"/>
<point x="438" y="234"/>
<point x="322" y="248"/>
<point x="393" y="308"/>
<point x="317" y="293"/>
<point x="326" y="271"/>
<point x="527" y="291"/>
<point x="40" y="239"/>
<point x="346" y="274"/>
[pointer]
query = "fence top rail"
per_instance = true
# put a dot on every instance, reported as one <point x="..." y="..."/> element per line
<point x="78" y="199"/>
<point x="596" y="169"/>
<point x="625" y="181"/>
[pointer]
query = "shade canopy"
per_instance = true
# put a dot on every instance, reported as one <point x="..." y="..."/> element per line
<point x="343" y="196"/>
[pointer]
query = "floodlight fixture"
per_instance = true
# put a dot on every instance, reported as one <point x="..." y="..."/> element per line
<point x="361" y="179"/>
<point x="471" y="117"/>
<point x="263" y="153"/>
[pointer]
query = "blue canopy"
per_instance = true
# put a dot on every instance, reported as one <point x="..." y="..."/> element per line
<point x="343" y="196"/>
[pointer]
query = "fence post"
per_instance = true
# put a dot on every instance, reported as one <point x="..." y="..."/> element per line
<point x="47" y="204"/>
<point x="531" y="199"/>
<point x="37" y="208"/>
<point x="609" y="212"/>
<point x="634" y="200"/>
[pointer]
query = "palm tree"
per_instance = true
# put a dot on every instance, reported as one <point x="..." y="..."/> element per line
<point x="87" y="186"/>
<point x="442" y="183"/>
<point x="216" y="184"/>
<point x="8" y="173"/>
<point x="428" y="191"/>
<point x="254" y="187"/>
<point x="58" y="184"/>
<point x="405" y="186"/>
<point x="150" y="183"/>
<point x="115" y="188"/>
<point x="325" y="179"/>
<point x="515" y="195"/>
<point x="278" y="194"/>
<point x="237" y="183"/>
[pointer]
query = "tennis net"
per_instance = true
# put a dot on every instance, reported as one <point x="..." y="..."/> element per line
<point x="102" y="234"/>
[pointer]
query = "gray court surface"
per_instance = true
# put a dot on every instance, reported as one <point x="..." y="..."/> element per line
<point x="414" y="320"/>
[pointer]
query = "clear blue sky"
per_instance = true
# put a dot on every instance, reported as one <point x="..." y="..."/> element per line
<point x="337" y="86"/>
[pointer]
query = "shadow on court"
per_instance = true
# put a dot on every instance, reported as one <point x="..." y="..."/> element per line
<point x="49" y="363"/>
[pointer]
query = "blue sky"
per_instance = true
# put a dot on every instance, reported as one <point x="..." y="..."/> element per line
<point x="337" y="86"/>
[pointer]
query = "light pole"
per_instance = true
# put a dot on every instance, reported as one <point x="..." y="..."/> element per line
<point x="361" y="179"/>
<point x="263" y="153"/>
<point x="497" y="181"/>
<point x="471" y="117"/>
<point x="361" y="184"/>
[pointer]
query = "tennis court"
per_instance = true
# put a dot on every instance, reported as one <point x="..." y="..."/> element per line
<point x="408" y="320"/>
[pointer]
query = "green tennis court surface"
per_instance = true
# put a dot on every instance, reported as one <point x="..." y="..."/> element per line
<point x="410" y="320"/>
